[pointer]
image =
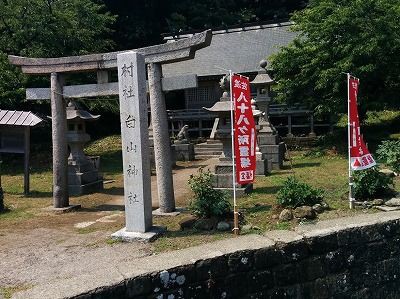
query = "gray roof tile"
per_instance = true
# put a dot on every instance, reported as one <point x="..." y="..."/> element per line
<point x="18" y="118"/>
<point x="239" y="50"/>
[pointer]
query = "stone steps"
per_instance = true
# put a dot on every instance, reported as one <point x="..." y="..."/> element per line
<point x="208" y="150"/>
<point x="205" y="157"/>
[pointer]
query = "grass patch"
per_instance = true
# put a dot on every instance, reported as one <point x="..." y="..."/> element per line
<point x="8" y="292"/>
<point x="86" y="230"/>
<point x="112" y="241"/>
<point x="283" y="226"/>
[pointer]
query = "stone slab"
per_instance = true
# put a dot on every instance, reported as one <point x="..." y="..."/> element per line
<point x="240" y="192"/>
<point x="262" y="167"/>
<point x="77" y="190"/>
<point x="267" y="139"/>
<point x="177" y="211"/>
<point x="393" y="202"/>
<point x="70" y="208"/>
<point x="148" y="236"/>
<point x="387" y="209"/>
<point x="184" y="152"/>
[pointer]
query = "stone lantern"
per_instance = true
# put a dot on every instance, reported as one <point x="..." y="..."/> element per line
<point x="223" y="132"/>
<point x="267" y="137"/>
<point x="83" y="171"/>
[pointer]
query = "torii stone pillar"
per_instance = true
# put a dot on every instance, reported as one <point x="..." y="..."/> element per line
<point x="162" y="148"/>
<point x="59" y="138"/>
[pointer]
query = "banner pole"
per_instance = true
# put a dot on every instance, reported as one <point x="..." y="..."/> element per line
<point x="235" y="210"/>
<point x="351" y="190"/>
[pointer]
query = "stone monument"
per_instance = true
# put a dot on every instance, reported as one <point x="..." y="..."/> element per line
<point x="135" y="148"/>
<point x="224" y="169"/>
<point x="83" y="171"/>
<point x="267" y="137"/>
<point x="184" y="150"/>
<point x="263" y="165"/>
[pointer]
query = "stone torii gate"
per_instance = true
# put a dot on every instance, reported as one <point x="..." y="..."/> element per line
<point x="155" y="56"/>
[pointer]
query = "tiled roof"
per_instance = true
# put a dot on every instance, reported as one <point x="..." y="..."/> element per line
<point x="18" y="118"/>
<point x="238" y="49"/>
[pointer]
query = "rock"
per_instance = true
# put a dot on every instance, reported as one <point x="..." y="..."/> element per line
<point x="223" y="226"/>
<point x="187" y="222"/>
<point x="377" y="202"/>
<point x="388" y="172"/>
<point x="318" y="208"/>
<point x="286" y="215"/>
<point x="325" y="205"/>
<point x="247" y="227"/>
<point x="394" y="202"/>
<point x="205" y="224"/>
<point x="304" y="212"/>
<point x="275" y="217"/>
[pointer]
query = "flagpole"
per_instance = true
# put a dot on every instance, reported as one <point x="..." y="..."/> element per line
<point x="351" y="190"/>
<point x="235" y="210"/>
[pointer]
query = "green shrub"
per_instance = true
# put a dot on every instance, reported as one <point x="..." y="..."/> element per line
<point x="207" y="202"/>
<point x="389" y="153"/>
<point x="371" y="183"/>
<point x="295" y="193"/>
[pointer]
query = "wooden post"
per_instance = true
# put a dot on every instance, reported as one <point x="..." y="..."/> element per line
<point x="312" y="133"/>
<point x="60" y="148"/>
<point x="290" y="126"/>
<point x="26" y="159"/>
<point x="200" y="128"/>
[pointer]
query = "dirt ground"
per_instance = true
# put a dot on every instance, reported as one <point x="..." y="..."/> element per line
<point x="48" y="246"/>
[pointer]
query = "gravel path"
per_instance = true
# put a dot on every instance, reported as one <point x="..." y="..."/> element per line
<point x="51" y="247"/>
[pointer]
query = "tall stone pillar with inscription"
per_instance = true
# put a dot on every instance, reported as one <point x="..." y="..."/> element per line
<point x="135" y="148"/>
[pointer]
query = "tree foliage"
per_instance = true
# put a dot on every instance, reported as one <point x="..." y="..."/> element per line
<point x="337" y="36"/>
<point x="47" y="28"/>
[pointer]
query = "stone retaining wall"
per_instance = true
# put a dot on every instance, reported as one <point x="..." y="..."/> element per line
<point x="357" y="257"/>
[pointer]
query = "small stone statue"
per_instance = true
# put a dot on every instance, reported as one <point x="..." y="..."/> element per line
<point x="183" y="135"/>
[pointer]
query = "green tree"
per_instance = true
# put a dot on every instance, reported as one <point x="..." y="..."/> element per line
<point x="337" y="36"/>
<point x="47" y="28"/>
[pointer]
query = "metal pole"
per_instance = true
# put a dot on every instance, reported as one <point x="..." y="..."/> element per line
<point x="235" y="210"/>
<point x="351" y="189"/>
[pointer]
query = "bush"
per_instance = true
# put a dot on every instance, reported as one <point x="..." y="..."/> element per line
<point x="207" y="202"/>
<point x="389" y="153"/>
<point x="295" y="193"/>
<point x="370" y="183"/>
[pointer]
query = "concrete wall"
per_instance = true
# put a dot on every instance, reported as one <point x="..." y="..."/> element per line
<point x="357" y="257"/>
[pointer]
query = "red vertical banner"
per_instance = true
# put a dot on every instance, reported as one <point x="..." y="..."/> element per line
<point x="244" y="131"/>
<point x="360" y="158"/>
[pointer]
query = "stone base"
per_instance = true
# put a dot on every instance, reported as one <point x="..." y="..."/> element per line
<point x="264" y="139"/>
<point x="275" y="153"/>
<point x="177" y="211"/>
<point x="153" y="161"/>
<point x="263" y="167"/>
<point x="77" y="190"/>
<point x="223" y="179"/>
<point x="184" y="152"/>
<point x="149" y="236"/>
<point x="240" y="191"/>
<point x="70" y="208"/>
